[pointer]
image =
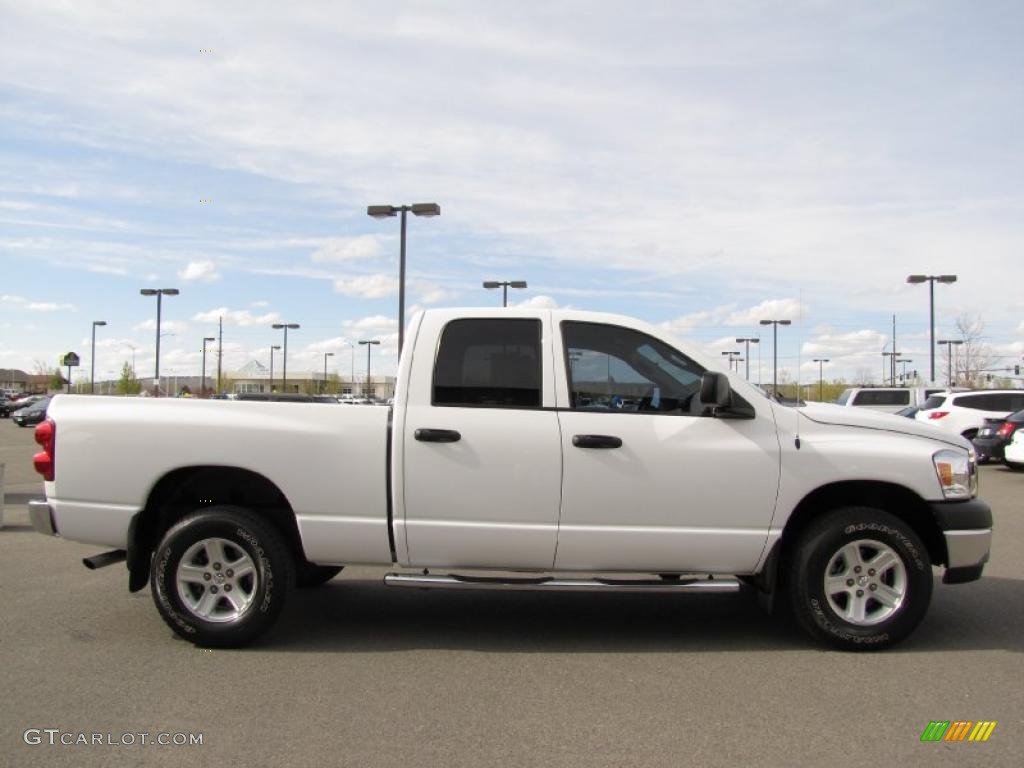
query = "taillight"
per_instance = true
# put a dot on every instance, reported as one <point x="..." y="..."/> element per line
<point x="46" y="436"/>
<point x="1007" y="429"/>
<point x="937" y="414"/>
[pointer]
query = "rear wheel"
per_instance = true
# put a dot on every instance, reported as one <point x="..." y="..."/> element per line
<point x="220" y="576"/>
<point x="859" y="578"/>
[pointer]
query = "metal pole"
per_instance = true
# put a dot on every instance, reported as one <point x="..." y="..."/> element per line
<point x="324" y="387"/>
<point x="368" y="380"/>
<point x="775" y="359"/>
<point x="202" y="381"/>
<point x="748" y="359"/>
<point x="271" y="368"/>
<point x="401" y="287"/>
<point x="892" y="364"/>
<point x="284" y="364"/>
<point x="220" y="348"/>
<point x="931" y="324"/>
<point x="159" y="296"/>
<point x="92" y="364"/>
<point x="504" y="294"/>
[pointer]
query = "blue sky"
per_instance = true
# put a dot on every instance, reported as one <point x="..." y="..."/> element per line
<point x="700" y="165"/>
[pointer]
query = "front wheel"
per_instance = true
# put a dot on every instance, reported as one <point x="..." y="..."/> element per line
<point x="859" y="578"/>
<point x="220" y="576"/>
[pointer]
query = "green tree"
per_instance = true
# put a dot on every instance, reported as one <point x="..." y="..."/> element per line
<point x="128" y="384"/>
<point x="57" y="380"/>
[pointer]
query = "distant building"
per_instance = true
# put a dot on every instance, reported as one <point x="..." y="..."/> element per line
<point x="254" y="377"/>
<point x="12" y="378"/>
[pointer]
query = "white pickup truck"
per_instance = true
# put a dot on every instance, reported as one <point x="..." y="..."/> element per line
<point x="579" y="451"/>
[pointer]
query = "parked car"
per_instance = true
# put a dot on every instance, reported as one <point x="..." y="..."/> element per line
<point x="964" y="413"/>
<point x="1013" y="452"/>
<point x="888" y="399"/>
<point x="32" y="414"/>
<point x="489" y="461"/>
<point x="21" y="401"/>
<point x="995" y="434"/>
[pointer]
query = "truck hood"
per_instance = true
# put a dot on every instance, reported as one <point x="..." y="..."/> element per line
<point x="845" y="416"/>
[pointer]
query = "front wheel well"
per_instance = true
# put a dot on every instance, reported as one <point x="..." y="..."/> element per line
<point x="185" y="490"/>
<point x="895" y="499"/>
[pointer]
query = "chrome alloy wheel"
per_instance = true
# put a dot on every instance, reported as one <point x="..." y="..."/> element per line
<point x="217" y="580"/>
<point x="865" y="582"/>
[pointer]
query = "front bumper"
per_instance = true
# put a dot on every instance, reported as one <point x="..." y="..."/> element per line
<point x="967" y="528"/>
<point x="41" y="515"/>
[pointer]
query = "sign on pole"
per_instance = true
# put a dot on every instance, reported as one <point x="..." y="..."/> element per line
<point x="70" y="359"/>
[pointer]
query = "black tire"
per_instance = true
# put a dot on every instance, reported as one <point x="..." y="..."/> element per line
<point x="841" y="542"/>
<point x="224" y="620"/>
<point x="308" y="575"/>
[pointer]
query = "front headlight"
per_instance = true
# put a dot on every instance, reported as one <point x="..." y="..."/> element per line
<point x="957" y="473"/>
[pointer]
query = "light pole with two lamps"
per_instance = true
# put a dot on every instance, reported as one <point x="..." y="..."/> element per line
<point x="326" y="355"/>
<point x="387" y="211"/>
<point x="504" y="285"/>
<point x="159" y="293"/>
<point x="775" y="352"/>
<point x="931" y="280"/>
<point x="949" y="344"/>
<point x="821" y="376"/>
<point x="202" y="381"/>
<point x="748" y="342"/>
<point x="284" y="360"/>
<point x="369" y="345"/>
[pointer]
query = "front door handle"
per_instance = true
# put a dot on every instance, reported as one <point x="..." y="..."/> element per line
<point x="596" y="441"/>
<point x="437" y="435"/>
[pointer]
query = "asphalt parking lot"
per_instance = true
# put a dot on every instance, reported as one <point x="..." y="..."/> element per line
<point x="360" y="675"/>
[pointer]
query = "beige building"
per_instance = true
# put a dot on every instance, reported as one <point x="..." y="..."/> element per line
<point x="254" y="377"/>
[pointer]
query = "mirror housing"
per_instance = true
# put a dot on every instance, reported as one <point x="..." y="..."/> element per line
<point x="715" y="390"/>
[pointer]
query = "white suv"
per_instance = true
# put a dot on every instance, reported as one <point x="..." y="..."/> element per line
<point x="888" y="399"/>
<point x="964" y="413"/>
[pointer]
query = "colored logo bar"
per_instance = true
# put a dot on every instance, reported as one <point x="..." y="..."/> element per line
<point x="958" y="730"/>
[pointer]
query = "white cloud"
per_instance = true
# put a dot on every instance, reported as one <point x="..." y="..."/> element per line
<point x="373" y="323"/>
<point x="770" y="309"/>
<point x="368" y="286"/>
<point x="537" y="302"/>
<point x="205" y="271"/>
<point x="36" y="306"/>
<point x="259" y="304"/>
<point x="166" y="326"/>
<point x="434" y="294"/>
<point x="686" y="323"/>
<point x="242" y="317"/>
<point x="348" y="249"/>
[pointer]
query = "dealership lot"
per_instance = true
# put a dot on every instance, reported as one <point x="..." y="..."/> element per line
<point x="361" y="675"/>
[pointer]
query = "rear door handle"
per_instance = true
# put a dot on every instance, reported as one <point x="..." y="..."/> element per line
<point x="596" y="441"/>
<point x="437" y="435"/>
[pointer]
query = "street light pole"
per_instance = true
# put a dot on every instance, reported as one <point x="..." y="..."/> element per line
<point x="931" y="280"/>
<point x="949" y="344"/>
<point x="272" y="348"/>
<point x="159" y="293"/>
<point x="504" y="285"/>
<point x="904" y="360"/>
<point x="732" y="356"/>
<point x="821" y="376"/>
<point x="352" y="373"/>
<point x="775" y="352"/>
<point x="326" y="355"/>
<point x="369" y="345"/>
<point x="284" y="363"/>
<point x="202" y="381"/>
<point x="748" y="342"/>
<point x="92" y="370"/>
<point x="386" y="211"/>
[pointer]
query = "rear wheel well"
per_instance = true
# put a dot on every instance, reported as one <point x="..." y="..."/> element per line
<point x="186" y="490"/>
<point x="895" y="499"/>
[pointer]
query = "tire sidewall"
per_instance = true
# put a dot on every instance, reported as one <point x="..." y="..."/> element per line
<point x="824" y="541"/>
<point x="244" y="531"/>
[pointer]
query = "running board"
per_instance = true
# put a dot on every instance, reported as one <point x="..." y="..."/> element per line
<point x="550" y="583"/>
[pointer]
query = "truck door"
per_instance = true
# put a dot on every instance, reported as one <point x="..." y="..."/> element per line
<point x="649" y="483"/>
<point x="481" y="461"/>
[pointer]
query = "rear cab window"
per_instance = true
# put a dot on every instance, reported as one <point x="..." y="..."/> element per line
<point x="882" y="397"/>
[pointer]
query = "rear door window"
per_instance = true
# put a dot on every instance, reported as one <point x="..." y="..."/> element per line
<point x="489" y="363"/>
<point x="933" y="401"/>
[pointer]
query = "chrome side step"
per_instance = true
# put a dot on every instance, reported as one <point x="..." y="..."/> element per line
<point x="550" y="583"/>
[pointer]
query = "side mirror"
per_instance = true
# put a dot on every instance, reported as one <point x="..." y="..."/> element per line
<point x="715" y="390"/>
